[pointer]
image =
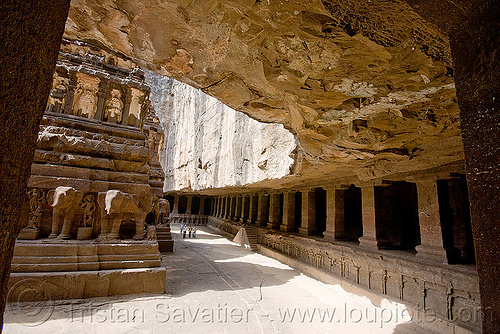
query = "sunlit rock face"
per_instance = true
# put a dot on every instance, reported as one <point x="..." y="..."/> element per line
<point x="365" y="86"/>
<point x="209" y="145"/>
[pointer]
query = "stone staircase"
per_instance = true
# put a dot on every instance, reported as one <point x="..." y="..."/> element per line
<point x="252" y="238"/>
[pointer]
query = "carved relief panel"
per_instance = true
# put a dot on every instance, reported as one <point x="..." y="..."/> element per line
<point x="85" y="100"/>
<point x="113" y="108"/>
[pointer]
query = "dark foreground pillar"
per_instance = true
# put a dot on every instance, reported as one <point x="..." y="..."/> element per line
<point x="474" y="30"/>
<point x="476" y="55"/>
<point x="29" y="44"/>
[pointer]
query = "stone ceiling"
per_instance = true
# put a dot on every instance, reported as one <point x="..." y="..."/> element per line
<point x="366" y="86"/>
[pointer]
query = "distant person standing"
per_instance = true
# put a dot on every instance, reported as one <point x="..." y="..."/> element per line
<point x="190" y="231"/>
<point x="184" y="232"/>
<point x="194" y="232"/>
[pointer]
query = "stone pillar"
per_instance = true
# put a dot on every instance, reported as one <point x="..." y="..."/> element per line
<point x="308" y="222"/>
<point x="233" y="207"/>
<point x="475" y="50"/>
<point x="243" y="217"/>
<point x="335" y="223"/>
<point x="262" y="210"/>
<point x="222" y="207"/>
<point x="213" y="210"/>
<point x="101" y="95"/>
<point x="431" y="236"/>
<point x="189" y="203"/>
<point x="369" y="238"/>
<point x="175" y="209"/>
<point x="126" y="107"/>
<point x="218" y="207"/>
<point x="227" y="213"/>
<point x="29" y="45"/>
<point x="288" y="224"/>
<point x="237" y="208"/>
<point x="274" y="211"/>
<point x="70" y="96"/>
<point x="202" y="206"/>
<point x="253" y="209"/>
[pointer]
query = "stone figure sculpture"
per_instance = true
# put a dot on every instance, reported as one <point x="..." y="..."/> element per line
<point x="88" y="207"/>
<point x="86" y="227"/>
<point x="85" y="100"/>
<point x="120" y="206"/>
<point x="114" y="106"/>
<point x="31" y="231"/>
<point x="65" y="206"/>
<point x="151" y="233"/>
<point x="36" y="208"/>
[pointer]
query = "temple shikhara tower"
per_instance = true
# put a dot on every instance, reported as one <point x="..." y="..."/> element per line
<point x="96" y="182"/>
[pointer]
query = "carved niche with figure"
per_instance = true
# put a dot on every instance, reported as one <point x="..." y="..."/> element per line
<point x="114" y="107"/>
<point x="85" y="100"/>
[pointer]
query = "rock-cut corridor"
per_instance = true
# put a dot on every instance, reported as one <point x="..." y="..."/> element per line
<point x="215" y="286"/>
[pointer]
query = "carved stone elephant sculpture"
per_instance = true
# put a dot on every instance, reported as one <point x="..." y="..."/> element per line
<point x="120" y="206"/>
<point x="65" y="204"/>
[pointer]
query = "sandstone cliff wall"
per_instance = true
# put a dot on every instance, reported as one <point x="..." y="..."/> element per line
<point x="209" y="145"/>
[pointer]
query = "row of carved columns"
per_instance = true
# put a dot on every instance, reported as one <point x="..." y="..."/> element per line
<point x="186" y="212"/>
<point x="426" y="215"/>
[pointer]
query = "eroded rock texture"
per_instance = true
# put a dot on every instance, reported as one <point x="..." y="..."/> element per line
<point x="365" y="86"/>
<point x="210" y="145"/>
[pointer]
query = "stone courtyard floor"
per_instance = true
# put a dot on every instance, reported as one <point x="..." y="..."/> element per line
<point x="215" y="286"/>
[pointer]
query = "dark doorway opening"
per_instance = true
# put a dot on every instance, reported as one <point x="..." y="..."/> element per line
<point x="320" y="208"/>
<point x="195" y="205"/>
<point x="396" y="209"/>
<point x="182" y="204"/>
<point x="454" y="212"/>
<point x="353" y="217"/>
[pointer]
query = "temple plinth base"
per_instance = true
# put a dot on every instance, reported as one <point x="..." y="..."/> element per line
<point x="87" y="268"/>
<point x="85" y="284"/>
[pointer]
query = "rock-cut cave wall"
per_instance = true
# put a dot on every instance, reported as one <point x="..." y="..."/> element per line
<point x="210" y="145"/>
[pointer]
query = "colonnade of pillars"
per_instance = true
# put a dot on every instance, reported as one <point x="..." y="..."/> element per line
<point x="189" y="206"/>
<point x="426" y="215"/>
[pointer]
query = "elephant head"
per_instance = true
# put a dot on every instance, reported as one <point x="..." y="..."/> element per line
<point x="120" y="206"/>
<point x="119" y="202"/>
<point x="66" y="198"/>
